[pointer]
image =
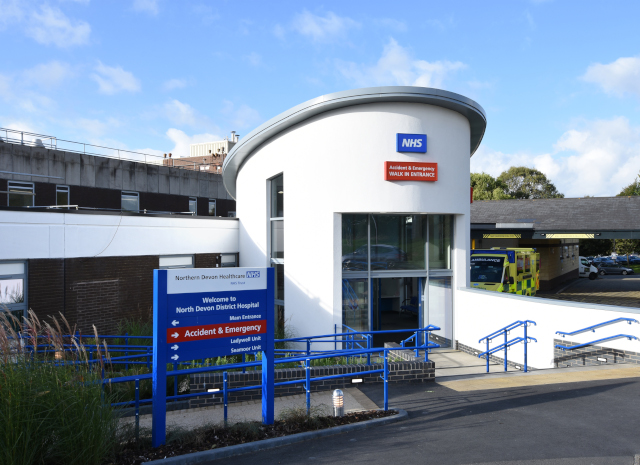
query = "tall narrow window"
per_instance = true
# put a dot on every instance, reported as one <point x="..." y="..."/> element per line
<point x="193" y="205"/>
<point x="13" y="296"/>
<point x="276" y="246"/>
<point x="20" y="194"/>
<point x="130" y="201"/>
<point x="212" y="207"/>
<point x="62" y="195"/>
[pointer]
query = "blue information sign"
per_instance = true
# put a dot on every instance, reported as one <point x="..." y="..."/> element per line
<point x="210" y="312"/>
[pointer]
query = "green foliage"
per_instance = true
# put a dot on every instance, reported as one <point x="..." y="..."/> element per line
<point x="486" y="187"/>
<point x="631" y="189"/>
<point x="627" y="246"/>
<point x="528" y="183"/>
<point x="595" y="247"/>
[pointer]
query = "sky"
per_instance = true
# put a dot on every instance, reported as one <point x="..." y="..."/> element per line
<point x="559" y="80"/>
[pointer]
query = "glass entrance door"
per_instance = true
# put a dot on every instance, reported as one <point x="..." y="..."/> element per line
<point x="396" y="304"/>
<point x="440" y="310"/>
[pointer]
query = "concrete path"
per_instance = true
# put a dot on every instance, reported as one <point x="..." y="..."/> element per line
<point x="455" y="363"/>
<point x="354" y="400"/>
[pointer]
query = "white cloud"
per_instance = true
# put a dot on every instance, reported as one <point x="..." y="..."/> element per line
<point x="618" y="78"/>
<point x="182" y="141"/>
<point x="241" y="117"/>
<point x="181" y="113"/>
<point x="11" y="12"/>
<point x="172" y="84"/>
<point x="92" y="128"/>
<point x="20" y="97"/>
<point x="48" y="75"/>
<point x="322" y="29"/>
<point x="206" y="14"/>
<point x="279" y="31"/>
<point x="112" y="80"/>
<point x="146" y="6"/>
<point x="51" y="26"/>
<point x="397" y="67"/>
<point x="599" y="158"/>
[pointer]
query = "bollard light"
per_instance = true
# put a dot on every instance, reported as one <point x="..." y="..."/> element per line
<point x="338" y="403"/>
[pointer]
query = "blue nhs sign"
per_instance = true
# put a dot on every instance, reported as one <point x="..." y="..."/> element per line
<point x="411" y="143"/>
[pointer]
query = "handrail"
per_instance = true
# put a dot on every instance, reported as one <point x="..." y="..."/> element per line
<point x="506" y="344"/>
<point x="427" y="344"/>
<point x="587" y="344"/>
<point x="507" y="328"/>
<point x="599" y="325"/>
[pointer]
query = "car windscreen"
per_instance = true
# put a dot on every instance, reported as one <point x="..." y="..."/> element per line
<point x="486" y="269"/>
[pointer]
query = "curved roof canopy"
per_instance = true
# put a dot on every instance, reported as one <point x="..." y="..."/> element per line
<point x="441" y="98"/>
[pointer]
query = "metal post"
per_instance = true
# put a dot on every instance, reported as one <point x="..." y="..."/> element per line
<point x="307" y="367"/>
<point x="126" y="351"/>
<point x="368" y="336"/>
<point x="426" y="346"/>
<point x="386" y="380"/>
<point x="487" y="355"/>
<point x="505" y="350"/>
<point x="224" y="395"/>
<point x="525" y="346"/>
<point x="137" y="409"/>
<point x="335" y="338"/>
<point x="308" y="347"/>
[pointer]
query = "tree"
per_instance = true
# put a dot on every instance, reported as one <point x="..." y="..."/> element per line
<point x="631" y="189"/>
<point x="595" y="247"/>
<point x="627" y="246"/>
<point x="528" y="183"/>
<point x="486" y="187"/>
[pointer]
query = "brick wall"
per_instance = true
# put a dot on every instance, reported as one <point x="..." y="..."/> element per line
<point x="588" y="356"/>
<point x="98" y="291"/>
<point x="408" y="372"/>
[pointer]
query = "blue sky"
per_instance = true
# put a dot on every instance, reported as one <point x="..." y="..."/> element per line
<point x="559" y="80"/>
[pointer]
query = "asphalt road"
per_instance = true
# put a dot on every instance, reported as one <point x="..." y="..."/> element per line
<point x="563" y="424"/>
<point x="608" y="290"/>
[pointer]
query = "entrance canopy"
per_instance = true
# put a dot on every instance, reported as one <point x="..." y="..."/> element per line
<point x="580" y="218"/>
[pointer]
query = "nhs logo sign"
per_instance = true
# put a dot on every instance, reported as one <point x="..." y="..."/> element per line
<point x="411" y="143"/>
<point x="253" y="274"/>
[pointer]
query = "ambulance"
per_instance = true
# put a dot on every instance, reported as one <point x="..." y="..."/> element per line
<point x="515" y="271"/>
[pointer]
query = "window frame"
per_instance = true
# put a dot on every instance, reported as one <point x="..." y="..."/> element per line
<point x="215" y="207"/>
<point x="193" y="200"/>
<point x="63" y="188"/>
<point x="24" y="305"/>
<point x="173" y="267"/>
<point x="21" y="185"/>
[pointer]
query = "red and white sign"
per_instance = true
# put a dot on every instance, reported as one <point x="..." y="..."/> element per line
<point x="410" y="171"/>
<point x="200" y="332"/>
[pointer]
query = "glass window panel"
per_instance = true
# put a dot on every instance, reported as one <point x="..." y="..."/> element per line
<point x="212" y="208"/>
<point x="130" y="202"/>
<point x="355" y="304"/>
<point x="228" y="260"/>
<point x="11" y="291"/>
<point x="277" y="197"/>
<point x="277" y="239"/>
<point x="279" y="275"/>
<point x="11" y="268"/>
<point x="193" y="205"/>
<point x="62" y="197"/>
<point x="20" y="194"/>
<point x="440" y="240"/>
<point x="440" y="311"/>
<point x="398" y="242"/>
<point x="176" y="261"/>
<point x="354" y="242"/>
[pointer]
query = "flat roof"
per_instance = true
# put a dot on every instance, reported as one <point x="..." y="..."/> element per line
<point x="608" y="217"/>
<point x="437" y="97"/>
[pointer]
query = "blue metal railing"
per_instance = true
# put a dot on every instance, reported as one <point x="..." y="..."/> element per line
<point x="426" y="345"/>
<point x="508" y="343"/>
<point x="587" y="344"/>
<point x="599" y="325"/>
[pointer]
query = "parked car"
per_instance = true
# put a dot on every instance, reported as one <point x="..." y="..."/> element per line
<point x="633" y="259"/>
<point x="383" y="257"/>
<point x="613" y="268"/>
<point x="603" y="260"/>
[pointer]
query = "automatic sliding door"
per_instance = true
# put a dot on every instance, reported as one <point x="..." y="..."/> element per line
<point x="440" y="311"/>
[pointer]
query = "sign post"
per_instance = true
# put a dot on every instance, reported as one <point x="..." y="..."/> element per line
<point x="210" y="312"/>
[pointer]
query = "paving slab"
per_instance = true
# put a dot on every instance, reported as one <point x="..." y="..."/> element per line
<point x="457" y="363"/>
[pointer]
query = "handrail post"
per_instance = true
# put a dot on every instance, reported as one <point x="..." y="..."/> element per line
<point x="368" y="347"/>
<point x="505" y="350"/>
<point x="386" y="380"/>
<point x="307" y="367"/>
<point x="126" y="351"/>
<point x="525" y="346"/>
<point x="308" y="347"/>
<point x="137" y="409"/>
<point x="335" y="338"/>
<point x="224" y="396"/>
<point x="487" y="355"/>
<point x="426" y="346"/>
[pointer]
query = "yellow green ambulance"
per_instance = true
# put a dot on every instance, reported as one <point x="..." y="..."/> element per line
<point x="515" y="271"/>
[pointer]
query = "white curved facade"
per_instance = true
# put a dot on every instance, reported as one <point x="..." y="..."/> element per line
<point x="332" y="164"/>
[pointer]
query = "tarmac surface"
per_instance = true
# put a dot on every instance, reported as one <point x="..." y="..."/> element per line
<point x="593" y="422"/>
<point x="607" y="290"/>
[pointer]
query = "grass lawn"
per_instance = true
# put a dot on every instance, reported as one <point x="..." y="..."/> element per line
<point x="635" y="268"/>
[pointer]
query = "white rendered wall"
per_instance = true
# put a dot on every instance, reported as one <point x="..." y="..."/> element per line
<point x="31" y="234"/>
<point x="479" y="313"/>
<point x="334" y="163"/>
